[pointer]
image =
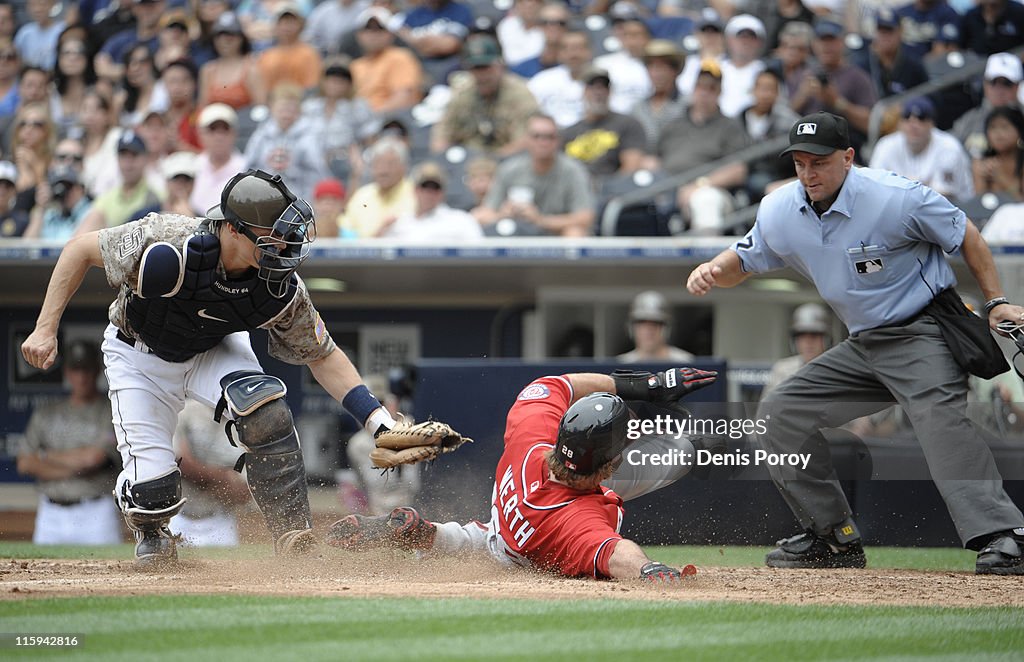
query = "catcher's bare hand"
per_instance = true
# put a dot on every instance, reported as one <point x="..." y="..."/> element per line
<point x="40" y="349"/>
<point x="407" y="443"/>
<point x="703" y="278"/>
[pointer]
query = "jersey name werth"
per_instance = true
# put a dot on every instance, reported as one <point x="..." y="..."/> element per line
<point x="508" y="500"/>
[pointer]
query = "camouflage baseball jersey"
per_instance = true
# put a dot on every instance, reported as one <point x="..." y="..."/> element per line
<point x="297" y="335"/>
<point x="59" y="427"/>
<point x="488" y="125"/>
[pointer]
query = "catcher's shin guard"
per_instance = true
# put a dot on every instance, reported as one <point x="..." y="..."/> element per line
<point x="273" y="462"/>
<point x="148" y="508"/>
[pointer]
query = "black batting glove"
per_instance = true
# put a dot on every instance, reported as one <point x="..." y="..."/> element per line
<point x="667" y="386"/>
<point x="659" y="573"/>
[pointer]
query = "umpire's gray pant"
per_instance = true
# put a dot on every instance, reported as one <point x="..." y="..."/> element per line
<point x="912" y="366"/>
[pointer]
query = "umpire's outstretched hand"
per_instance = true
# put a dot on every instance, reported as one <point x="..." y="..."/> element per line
<point x="40" y="349"/>
<point x="703" y="278"/>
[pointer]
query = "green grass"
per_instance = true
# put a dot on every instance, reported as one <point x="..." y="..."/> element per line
<point x="226" y="628"/>
<point x="246" y="627"/>
<point x="939" y="558"/>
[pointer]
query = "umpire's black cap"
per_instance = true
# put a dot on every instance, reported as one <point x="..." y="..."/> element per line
<point x="819" y="133"/>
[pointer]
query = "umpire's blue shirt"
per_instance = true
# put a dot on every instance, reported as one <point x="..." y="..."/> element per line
<point x="876" y="256"/>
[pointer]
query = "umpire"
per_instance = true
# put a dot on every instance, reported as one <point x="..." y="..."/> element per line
<point x="873" y="244"/>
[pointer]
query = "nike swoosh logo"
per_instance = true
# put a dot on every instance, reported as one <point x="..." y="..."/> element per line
<point x="252" y="387"/>
<point x="202" y="313"/>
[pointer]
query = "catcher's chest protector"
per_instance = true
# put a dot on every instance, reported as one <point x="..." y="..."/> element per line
<point x="206" y="308"/>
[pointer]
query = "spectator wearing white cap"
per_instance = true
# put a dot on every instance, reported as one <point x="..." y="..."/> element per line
<point x="1003" y="74"/>
<point x="179" y="171"/>
<point x="220" y="160"/>
<point x="744" y="45"/>
<point x="13" y="222"/>
<point x="1003" y="77"/>
<point x="920" y="152"/>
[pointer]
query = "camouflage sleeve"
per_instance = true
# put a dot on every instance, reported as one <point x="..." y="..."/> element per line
<point x="33" y="439"/>
<point x="122" y="246"/>
<point x="298" y="335"/>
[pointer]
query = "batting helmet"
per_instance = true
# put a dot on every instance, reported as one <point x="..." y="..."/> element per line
<point x="810" y="318"/>
<point x="649" y="306"/>
<point x="592" y="433"/>
<point x="256" y="199"/>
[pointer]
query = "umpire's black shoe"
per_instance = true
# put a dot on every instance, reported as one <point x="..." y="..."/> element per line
<point x="155" y="548"/>
<point x="809" y="550"/>
<point x="1003" y="555"/>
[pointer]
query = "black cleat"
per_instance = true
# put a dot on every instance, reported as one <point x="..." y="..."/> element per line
<point x="402" y="528"/>
<point x="1003" y="555"/>
<point x="808" y="550"/>
<point x="156" y="548"/>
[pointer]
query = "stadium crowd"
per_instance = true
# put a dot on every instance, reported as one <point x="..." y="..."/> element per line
<point x="444" y="120"/>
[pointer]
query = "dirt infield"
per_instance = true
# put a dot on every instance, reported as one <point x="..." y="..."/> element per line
<point x="395" y="575"/>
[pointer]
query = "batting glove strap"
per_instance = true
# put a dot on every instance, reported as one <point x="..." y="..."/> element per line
<point x="667" y="386"/>
<point x="660" y="573"/>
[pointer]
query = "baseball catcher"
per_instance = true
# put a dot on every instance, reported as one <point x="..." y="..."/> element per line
<point x="561" y="482"/>
<point x="189" y="291"/>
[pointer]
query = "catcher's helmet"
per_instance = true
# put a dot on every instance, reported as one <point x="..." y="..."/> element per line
<point x="258" y="199"/>
<point x="592" y="433"/>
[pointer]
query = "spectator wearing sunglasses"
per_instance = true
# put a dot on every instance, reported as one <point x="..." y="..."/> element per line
<point x="554" y="23"/>
<point x="922" y="153"/>
<point x="433" y="221"/>
<point x="489" y="111"/>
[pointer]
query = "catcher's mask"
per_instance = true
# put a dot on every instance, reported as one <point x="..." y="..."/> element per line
<point x="257" y="199"/>
<point x="592" y="433"/>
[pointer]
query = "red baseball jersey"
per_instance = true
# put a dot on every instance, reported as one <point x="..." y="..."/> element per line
<point x="540" y="522"/>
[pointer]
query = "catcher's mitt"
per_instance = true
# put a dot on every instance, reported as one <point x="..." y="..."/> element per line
<point x="408" y="444"/>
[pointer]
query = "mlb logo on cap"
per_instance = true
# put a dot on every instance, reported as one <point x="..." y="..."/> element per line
<point x="819" y="133"/>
